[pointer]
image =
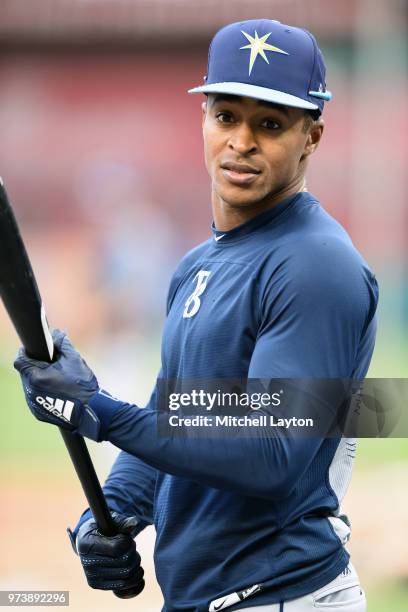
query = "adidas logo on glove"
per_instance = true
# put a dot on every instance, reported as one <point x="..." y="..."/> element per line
<point x="58" y="407"/>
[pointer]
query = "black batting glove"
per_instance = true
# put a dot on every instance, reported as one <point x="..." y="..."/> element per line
<point x="59" y="392"/>
<point x="111" y="563"/>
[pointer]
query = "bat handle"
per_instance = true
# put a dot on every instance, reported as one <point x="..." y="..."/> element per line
<point x="85" y="470"/>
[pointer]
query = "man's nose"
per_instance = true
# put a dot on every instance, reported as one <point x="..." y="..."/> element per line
<point x="242" y="140"/>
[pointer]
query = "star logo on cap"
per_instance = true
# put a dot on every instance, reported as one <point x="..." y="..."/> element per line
<point x="258" y="46"/>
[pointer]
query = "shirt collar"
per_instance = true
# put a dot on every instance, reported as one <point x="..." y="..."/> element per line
<point x="252" y="225"/>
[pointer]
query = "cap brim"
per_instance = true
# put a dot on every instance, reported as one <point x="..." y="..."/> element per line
<point x="254" y="91"/>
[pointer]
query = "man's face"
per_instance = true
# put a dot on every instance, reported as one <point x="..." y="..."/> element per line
<point x="253" y="149"/>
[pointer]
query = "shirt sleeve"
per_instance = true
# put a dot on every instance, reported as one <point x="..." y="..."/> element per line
<point x="267" y="467"/>
<point x="315" y="313"/>
<point x="129" y="488"/>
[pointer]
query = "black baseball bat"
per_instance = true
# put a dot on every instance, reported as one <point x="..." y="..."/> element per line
<point x="21" y="297"/>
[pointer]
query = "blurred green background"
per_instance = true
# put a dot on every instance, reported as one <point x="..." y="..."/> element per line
<point x="101" y="149"/>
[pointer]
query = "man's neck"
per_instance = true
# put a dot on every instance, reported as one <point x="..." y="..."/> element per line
<point x="227" y="217"/>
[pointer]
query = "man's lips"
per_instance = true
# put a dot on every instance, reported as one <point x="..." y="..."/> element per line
<point x="239" y="174"/>
<point x="240" y="168"/>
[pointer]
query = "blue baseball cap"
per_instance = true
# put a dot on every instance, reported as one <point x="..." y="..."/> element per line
<point x="269" y="61"/>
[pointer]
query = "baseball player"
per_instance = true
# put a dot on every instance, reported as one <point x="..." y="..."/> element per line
<point x="277" y="292"/>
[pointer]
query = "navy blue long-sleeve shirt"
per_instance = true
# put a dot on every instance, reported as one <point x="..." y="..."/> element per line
<point x="285" y="295"/>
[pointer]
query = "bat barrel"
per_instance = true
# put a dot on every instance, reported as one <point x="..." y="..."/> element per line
<point x="18" y="287"/>
<point x="21" y="297"/>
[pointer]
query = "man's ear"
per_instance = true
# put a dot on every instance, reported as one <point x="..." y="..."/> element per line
<point x="314" y="136"/>
<point x="204" y="111"/>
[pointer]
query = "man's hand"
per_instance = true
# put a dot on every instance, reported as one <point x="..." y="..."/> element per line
<point x="59" y="392"/>
<point x="110" y="563"/>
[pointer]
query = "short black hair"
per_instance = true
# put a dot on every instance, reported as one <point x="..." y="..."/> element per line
<point x="315" y="114"/>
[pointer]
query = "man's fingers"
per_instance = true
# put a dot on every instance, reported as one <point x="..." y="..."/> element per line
<point x="116" y="582"/>
<point x="132" y="592"/>
<point x="130" y="558"/>
<point x="23" y="361"/>
<point x="129" y="573"/>
<point x="58" y="338"/>
<point x="93" y="544"/>
<point x="63" y="344"/>
<point x="119" y="586"/>
<point x="125" y="524"/>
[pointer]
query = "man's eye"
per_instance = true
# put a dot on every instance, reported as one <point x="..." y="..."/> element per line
<point x="270" y="124"/>
<point x="224" y="117"/>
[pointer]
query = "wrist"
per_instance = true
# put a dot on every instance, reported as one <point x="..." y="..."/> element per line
<point x="105" y="406"/>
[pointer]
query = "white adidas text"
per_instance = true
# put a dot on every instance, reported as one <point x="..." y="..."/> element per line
<point x="58" y="407"/>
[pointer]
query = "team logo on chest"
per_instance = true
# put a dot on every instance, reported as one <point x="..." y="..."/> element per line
<point x="193" y="303"/>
